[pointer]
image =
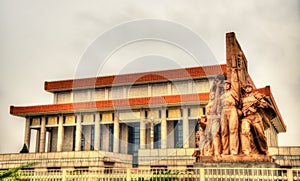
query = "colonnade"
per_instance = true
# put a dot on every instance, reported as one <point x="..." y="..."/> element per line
<point x="41" y="136"/>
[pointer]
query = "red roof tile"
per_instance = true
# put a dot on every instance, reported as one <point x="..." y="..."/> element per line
<point x="144" y="77"/>
<point x="124" y="103"/>
<point x="83" y="106"/>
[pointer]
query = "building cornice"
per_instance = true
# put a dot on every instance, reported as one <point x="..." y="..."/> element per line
<point x="133" y="103"/>
<point x="135" y="78"/>
<point x="103" y="105"/>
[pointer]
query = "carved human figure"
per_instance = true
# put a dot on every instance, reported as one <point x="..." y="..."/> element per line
<point x="229" y="116"/>
<point x="213" y="125"/>
<point x="205" y="140"/>
<point x="199" y="136"/>
<point x="254" y="141"/>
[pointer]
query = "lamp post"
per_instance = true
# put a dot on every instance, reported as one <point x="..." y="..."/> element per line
<point x="152" y="122"/>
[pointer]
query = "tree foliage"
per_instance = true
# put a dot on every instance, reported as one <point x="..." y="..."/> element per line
<point x="24" y="149"/>
<point x="12" y="173"/>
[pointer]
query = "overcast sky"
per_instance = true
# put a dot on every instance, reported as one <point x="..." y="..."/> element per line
<point x="45" y="40"/>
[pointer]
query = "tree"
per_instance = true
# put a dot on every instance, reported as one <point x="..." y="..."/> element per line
<point x="24" y="149"/>
<point x="12" y="173"/>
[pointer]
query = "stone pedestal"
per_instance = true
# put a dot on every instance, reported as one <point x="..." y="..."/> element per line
<point x="237" y="161"/>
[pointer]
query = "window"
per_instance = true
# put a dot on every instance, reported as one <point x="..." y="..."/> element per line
<point x="178" y="137"/>
<point x="157" y="136"/>
<point x="204" y="110"/>
<point x="134" y="141"/>
<point x="92" y="137"/>
<point x="133" y="137"/>
<point x="101" y="135"/>
<point x="82" y="138"/>
<point x="111" y="137"/>
<point x="74" y="137"/>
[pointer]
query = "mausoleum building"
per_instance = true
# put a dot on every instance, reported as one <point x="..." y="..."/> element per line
<point x="143" y="119"/>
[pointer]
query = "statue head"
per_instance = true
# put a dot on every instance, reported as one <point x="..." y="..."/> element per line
<point x="248" y="88"/>
<point x="212" y="95"/>
<point x="227" y="85"/>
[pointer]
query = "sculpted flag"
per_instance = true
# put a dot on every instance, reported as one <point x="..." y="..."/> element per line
<point x="267" y="114"/>
<point x="236" y="59"/>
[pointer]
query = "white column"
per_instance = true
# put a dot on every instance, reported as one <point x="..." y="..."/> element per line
<point x="116" y="133"/>
<point x="37" y="142"/>
<point x="97" y="132"/>
<point x="142" y="130"/>
<point x="43" y="135"/>
<point x="78" y="133"/>
<point x="27" y="133"/>
<point x="185" y="127"/>
<point x="60" y="135"/>
<point x="49" y="141"/>
<point x="163" y="128"/>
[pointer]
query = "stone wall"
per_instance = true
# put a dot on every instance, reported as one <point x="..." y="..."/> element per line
<point x="72" y="159"/>
<point x="272" y="136"/>
<point x="144" y="90"/>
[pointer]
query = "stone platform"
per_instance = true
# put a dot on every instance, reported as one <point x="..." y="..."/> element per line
<point x="237" y="161"/>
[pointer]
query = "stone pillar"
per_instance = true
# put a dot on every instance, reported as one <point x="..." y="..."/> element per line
<point x="37" y="142"/>
<point x="78" y="133"/>
<point x="60" y="135"/>
<point x="185" y="127"/>
<point x="124" y="138"/>
<point x="27" y="133"/>
<point x="97" y="132"/>
<point x="116" y="133"/>
<point x="43" y="135"/>
<point x="142" y="130"/>
<point x="163" y="128"/>
<point x="49" y="141"/>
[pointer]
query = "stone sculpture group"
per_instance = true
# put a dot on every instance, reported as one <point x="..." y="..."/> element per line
<point x="236" y="116"/>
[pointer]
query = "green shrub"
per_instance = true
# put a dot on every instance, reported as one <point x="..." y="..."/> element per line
<point x="24" y="149"/>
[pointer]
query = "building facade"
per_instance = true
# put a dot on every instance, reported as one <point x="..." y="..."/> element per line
<point x="133" y="120"/>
